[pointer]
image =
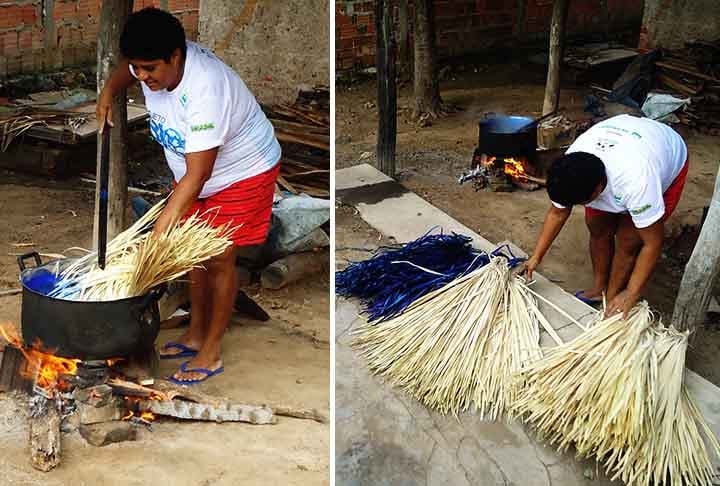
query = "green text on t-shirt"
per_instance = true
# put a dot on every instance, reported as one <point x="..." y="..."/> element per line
<point x="204" y="126"/>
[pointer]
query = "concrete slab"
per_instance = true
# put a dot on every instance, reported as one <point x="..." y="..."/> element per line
<point x="377" y="439"/>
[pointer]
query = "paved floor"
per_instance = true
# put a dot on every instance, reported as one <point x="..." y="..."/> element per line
<point x="386" y="438"/>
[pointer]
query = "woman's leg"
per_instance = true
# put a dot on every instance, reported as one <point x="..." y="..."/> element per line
<point x="222" y="289"/>
<point x="628" y="247"/>
<point x="200" y="312"/>
<point x="602" y="227"/>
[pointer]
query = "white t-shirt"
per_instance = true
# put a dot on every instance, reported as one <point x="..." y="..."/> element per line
<point x="642" y="158"/>
<point x="212" y="107"/>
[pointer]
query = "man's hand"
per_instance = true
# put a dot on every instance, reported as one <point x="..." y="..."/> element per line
<point x="622" y="302"/>
<point x="103" y="109"/>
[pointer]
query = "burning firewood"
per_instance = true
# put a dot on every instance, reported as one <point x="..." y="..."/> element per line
<point x="258" y="415"/>
<point x="44" y="434"/>
<point x="213" y="403"/>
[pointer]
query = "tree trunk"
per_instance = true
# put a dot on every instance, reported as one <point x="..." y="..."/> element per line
<point x="112" y="19"/>
<point x="387" y="89"/>
<point x="427" y="87"/>
<point x="701" y="270"/>
<point x="557" y="40"/>
<point x="405" y="59"/>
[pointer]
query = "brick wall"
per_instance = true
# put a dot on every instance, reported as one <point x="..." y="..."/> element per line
<point x="47" y="35"/>
<point x="470" y="26"/>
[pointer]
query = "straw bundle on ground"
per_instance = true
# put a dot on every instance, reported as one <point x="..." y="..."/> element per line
<point x="460" y="344"/>
<point x="137" y="261"/>
<point x="396" y="276"/>
<point x="616" y="393"/>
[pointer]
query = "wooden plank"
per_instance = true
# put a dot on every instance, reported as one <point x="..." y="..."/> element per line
<point x="292" y="126"/>
<point x="682" y="69"/>
<point x="11" y="369"/>
<point x="317" y="141"/>
<point x="54" y="132"/>
<point x="701" y="271"/>
<point x="286" y="185"/>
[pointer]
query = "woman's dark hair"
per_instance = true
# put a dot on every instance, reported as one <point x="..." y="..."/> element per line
<point x="573" y="178"/>
<point x="150" y="34"/>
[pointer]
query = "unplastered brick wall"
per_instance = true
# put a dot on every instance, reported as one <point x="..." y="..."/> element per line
<point x="470" y="26"/>
<point x="47" y="35"/>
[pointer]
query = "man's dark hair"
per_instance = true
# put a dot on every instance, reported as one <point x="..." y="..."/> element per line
<point x="150" y="34"/>
<point x="573" y="178"/>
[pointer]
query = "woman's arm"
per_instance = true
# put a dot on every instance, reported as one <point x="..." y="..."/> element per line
<point x="120" y="79"/>
<point x="554" y="222"/>
<point x="199" y="169"/>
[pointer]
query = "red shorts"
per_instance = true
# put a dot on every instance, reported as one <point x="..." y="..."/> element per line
<point x="247" y="203"/>
<point x="671" y="196"/>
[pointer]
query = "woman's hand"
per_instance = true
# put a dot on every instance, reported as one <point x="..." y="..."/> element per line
<point x="622" y="302"/>
<point x="529" y="267"/>
<point x="103" y="109"/>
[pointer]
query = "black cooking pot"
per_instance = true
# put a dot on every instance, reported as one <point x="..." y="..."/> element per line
<point x="84" y="330"/>
<point x="507" y="136"/>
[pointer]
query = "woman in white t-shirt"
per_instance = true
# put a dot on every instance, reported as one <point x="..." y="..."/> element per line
<point x="223" y="154"/>
<point x="629" y="174"/>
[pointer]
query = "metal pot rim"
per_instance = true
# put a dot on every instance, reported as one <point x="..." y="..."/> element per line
<point x="51" y="262"/>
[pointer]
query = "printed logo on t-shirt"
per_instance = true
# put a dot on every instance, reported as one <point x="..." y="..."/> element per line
<point x="641" y="209"/>
<point x="204" y="126"/>
<point x="166" y="136"/>
<point x="184" y="99"/>
<point x="605" y="144"/>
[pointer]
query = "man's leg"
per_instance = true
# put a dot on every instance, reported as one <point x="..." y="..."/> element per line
<point x="628" y="247"/>
<point x="200" y="311"/>
<point x="602" y="227"/>
<point x="222" y="287"/>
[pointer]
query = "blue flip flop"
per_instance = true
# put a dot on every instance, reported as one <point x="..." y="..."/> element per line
<point x="578" y="295"/>
<point x="208" y="373"/>
<point x="185" y="351"/>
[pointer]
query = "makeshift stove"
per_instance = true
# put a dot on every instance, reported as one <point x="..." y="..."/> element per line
<point x="104" y="404"/>
<point x="502" y="174"/>
<point x="505" y="157"/>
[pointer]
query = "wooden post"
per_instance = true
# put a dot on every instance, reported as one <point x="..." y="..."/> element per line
<point x="112" y="19"/>
<point x="387" y="90"/>
<point x="701" y="270"/>
<point x="557" y="40"/>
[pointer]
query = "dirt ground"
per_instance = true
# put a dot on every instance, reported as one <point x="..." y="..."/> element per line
<point x="430" y="159"/>
<point x="282" y="361"/>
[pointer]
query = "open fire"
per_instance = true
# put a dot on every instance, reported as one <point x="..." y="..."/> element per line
<point x="502" y="173"/>
<point x="46" y="371"/>
<point x="55" y="377"/>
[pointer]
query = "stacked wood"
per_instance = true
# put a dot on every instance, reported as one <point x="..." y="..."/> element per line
<point x="303" y="129"/>
<point x="694" y="72"/>
<point x="24" y="118"/>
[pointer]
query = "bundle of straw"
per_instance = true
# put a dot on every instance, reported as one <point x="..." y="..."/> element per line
<point x="460" y="344"/>
<point x="137" y="261"/>
<point x="616" y="392"/>
<point x="395" y="276"/>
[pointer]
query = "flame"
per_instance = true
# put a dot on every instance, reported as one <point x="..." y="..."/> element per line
<point x="515" y="168"/>
<point x="113" y="361"/>
<point x="43" y="368"/>
<point x="147" y="416"/>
